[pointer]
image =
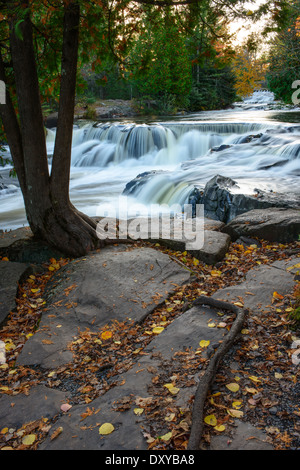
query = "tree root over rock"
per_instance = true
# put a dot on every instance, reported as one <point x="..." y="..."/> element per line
<point x="208" y="378"/>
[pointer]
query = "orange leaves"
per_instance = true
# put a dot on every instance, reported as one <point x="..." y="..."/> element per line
<point x="106" y="335"/>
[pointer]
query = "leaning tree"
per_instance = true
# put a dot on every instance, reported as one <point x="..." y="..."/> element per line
<point x="29" y="29"/>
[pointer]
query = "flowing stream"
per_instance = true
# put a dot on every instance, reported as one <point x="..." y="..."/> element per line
<point x="254" y="143"/>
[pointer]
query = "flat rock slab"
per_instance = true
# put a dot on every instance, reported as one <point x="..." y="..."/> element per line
<point x="10" y="274"/>
<point x="214" y="247"/>
<point x="273" y="224"/>
<point x="160" y="358"/>
<point x="116" y="283"/>
<point x="183" y="333"/>
<point x="246" y="437"/>
<point x="41" y="402"/>
<point x="7" y="238"/>
<point x="261" y="282"/>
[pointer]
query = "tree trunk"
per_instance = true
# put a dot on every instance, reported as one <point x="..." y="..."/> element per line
<point x="50" y="214"/>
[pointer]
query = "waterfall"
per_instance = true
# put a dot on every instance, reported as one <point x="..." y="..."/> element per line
<point x="173" y="158"/>
<point x="159" y="144"/>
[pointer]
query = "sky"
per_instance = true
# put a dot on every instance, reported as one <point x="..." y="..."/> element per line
<point x="243" y="29"/>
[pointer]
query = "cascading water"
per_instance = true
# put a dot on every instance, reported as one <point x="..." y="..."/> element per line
<point x="175" y="156"/>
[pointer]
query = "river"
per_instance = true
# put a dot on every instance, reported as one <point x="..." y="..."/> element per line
<point x="256" y="143"/>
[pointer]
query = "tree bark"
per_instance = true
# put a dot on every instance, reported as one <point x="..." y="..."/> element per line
<point x="12" y="130"/>
<point x="31" y="123"/>
<point x="61" y="162"/>
<point x="50" y="214"/>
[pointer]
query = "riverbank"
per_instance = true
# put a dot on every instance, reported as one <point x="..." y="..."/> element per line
<point x="106" y="352"/>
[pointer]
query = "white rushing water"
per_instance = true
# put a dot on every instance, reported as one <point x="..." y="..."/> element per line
<point x="248" y="146"/>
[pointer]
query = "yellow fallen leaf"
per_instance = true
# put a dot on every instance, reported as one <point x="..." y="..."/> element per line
<point x="106" y="428"/>
<point x="157" y="329"/>
<point x="251" y="390"/>
<point x="215" y="273"/>
<point x="136" y="351"/>
<point x="5" y="259"/>
<point x="277" y="296"/>
<point x="195" y="261"/>
<point x="245" y="331"/>
<point x="166" y="437"/>
<point x="211" y="325"/>
<point x="211" y="420"/>
<point x="34" y="291"/>
<point x="278" y="376"/>
<point x="293" y="267"/>
<point x="106" y="334"/>
<point x="172" y="389"/>
<point x="204" y="343"/>
<point x="29" y="439"/>
<point x="254" y="379"/>
<point x="220" y="428"/>
<point x="4" y="431"/>
<point x="237" y="404"/>
<point x="233" y="387"/>
<point x="235" y="413"/>
<point x="138" y="411"/>
<point x="238" y="304"/>
<point x="170" y="417"/>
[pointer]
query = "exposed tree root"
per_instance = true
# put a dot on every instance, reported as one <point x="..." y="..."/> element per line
<point x="208" y="378"/>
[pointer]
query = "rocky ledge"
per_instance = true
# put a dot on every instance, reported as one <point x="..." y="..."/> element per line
<point x="224" y="199"/>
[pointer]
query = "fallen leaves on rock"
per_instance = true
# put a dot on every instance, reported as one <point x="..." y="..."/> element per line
<point x="262" y="387"/>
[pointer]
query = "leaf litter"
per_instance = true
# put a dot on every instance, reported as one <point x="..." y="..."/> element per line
<point x="263" y="389"/>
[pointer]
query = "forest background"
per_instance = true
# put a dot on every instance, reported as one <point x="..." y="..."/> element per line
<point x="167" y="60"/>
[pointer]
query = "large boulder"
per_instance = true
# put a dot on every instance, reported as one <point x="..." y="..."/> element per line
<point x="116" y="283"/>
<point x="10" y="276"/>
<point x="224" y="200"/>
<point x="134" y="186"/>
<point x="273" y="224"/>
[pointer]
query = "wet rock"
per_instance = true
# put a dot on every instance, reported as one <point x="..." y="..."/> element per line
<point x="223" y="199"/>
<point x="51" y="120"/>
<point x="220" y="148"/>
<point x="133" y="186"/>
<point x="273" y="224"/>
